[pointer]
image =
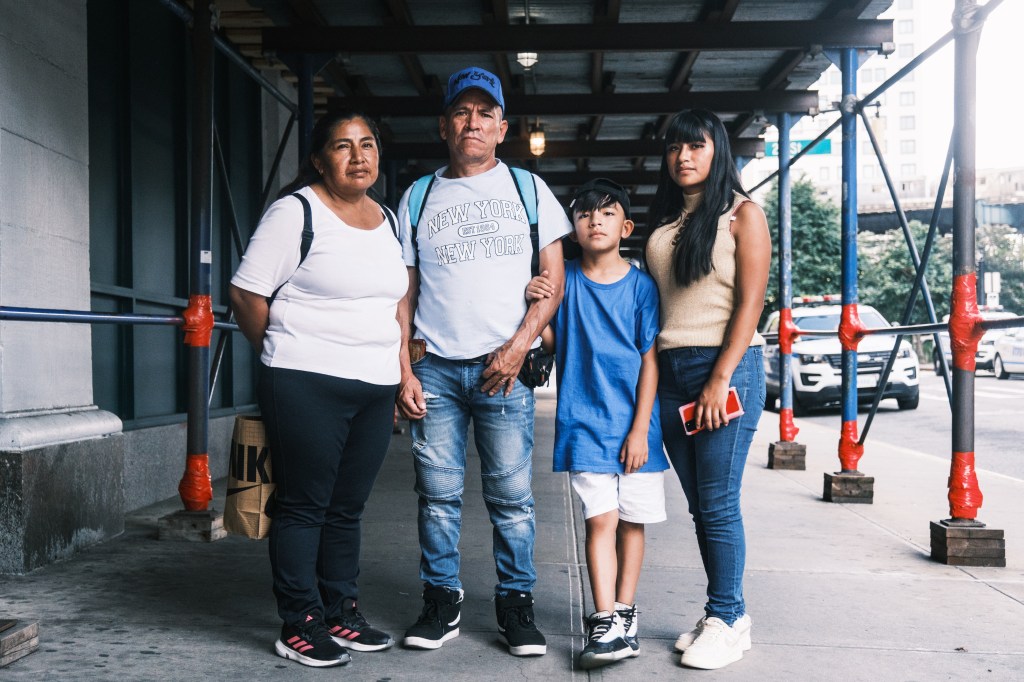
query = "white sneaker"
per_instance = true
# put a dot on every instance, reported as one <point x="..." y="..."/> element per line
<point x="716" y="646"/>
<point x="685" y="640"/>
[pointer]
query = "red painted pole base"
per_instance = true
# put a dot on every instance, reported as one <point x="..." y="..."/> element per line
<point x="195" y="488"/>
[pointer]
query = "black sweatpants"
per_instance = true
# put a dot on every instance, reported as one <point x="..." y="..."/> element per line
<point x="328" y="437"/>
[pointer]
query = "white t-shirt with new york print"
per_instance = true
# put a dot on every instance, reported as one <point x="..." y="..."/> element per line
<point x="474" y="247"/>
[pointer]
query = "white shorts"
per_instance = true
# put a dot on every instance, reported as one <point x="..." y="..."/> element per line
<point x="639" y="498"/>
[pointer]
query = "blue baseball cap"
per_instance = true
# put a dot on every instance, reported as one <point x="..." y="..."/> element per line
<point x="474" y="77"/>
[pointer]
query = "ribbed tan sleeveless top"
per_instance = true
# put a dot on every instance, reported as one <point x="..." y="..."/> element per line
<point x="698" y="314"/>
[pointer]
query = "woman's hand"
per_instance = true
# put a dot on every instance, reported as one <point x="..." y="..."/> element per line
<point x="634" y="451"/>
<point x="710" y="411"/>
<point x="540" y="287"/>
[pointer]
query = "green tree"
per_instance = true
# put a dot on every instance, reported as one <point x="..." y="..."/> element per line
<point x="816" y="243"/>
<point x="887" y="272"/>
<point x="1002" y="247"/>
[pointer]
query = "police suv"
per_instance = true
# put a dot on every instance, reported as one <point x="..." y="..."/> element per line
<point x="1008" y="354"/>
<point x="817" y="361"/>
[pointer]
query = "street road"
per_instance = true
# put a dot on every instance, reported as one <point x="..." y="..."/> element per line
<point x="998" y="424"/>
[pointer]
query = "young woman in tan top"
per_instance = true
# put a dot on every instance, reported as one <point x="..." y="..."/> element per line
<point x="709" y="254"/>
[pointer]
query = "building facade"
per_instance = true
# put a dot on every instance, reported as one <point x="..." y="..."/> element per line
<point x="94" y="207"/>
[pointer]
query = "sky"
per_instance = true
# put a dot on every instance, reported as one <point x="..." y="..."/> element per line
<point x="1000" y="83"/>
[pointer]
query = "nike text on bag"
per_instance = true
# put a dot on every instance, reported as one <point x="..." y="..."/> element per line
<point x="250" y="480"/>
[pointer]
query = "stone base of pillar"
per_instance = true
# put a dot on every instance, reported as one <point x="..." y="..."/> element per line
<point x="785" y="455"/>
<point x="959" y="542"/>
<point x="61" y="486"/>
<point x="17" y="640"/>
<point x="855" y="488"/>
<point x="189" y="526"/>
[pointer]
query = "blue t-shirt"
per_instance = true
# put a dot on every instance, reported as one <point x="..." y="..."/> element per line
<point x="601" y="334"/>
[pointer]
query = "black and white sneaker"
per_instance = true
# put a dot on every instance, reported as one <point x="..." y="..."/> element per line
<point x="310" y="644"/>
<point x="606" y="641"/>
<point x="515" y="623"/>
<point x="439" y="620"/>
<point x="351" y="630"/>
<point x="629" y="625"/>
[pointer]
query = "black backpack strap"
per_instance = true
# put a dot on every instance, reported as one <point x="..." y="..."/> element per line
<point x="388" y="213"/>
<point x="305" y="242"/>
<point x="392" y="221"/>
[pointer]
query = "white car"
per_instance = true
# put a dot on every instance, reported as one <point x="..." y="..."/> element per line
<point x="817" y="362"/>
<point x="983" y="358"/>
<point x="1008" y="354"/>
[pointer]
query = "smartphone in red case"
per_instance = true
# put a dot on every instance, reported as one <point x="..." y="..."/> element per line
<point x="732" y="407"/>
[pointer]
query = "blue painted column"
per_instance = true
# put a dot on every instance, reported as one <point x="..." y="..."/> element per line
<point x="787" y="431"/>
<point x="849" y="326"/>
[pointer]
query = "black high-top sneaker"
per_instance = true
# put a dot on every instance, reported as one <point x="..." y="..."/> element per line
<point x="515" y="623"/>
<point x="439" y="620"/>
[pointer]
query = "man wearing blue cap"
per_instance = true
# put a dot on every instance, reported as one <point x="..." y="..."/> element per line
<point x="472" y="235"/>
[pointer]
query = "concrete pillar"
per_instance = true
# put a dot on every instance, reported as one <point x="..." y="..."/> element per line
<point x="61" y="458"/>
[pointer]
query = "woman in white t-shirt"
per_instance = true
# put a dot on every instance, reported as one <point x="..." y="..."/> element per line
<point x="326" y="329"/>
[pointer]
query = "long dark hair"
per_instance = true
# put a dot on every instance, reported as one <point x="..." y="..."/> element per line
<point x="320" y="138"/>
<point x="692" y="255"/>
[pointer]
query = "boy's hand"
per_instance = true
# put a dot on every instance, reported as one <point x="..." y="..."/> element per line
<point x="540" y="287"/>
<point x="634" y="452"/>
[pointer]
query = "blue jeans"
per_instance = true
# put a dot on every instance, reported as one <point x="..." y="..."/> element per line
<point x="709" y="465"/>
<point x="503" y="429"/>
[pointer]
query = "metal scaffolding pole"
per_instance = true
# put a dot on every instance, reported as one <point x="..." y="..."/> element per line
<point x="962" y="539"/>
<point x="785" y="453"/>
<point x="195" y="488"/>
<point x="964" y="496"/>
<point x="850" y="325"/>
<point x="787" y="431"/>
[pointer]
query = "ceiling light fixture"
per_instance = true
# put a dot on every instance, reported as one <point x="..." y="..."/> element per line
<point x="537" y="141"/>
<point x="527" y="59"/>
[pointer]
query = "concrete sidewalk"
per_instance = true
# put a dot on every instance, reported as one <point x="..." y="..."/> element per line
<point x="836" y="592"/>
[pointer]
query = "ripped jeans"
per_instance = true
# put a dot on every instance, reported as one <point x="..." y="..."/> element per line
<point x="503" y="431"/>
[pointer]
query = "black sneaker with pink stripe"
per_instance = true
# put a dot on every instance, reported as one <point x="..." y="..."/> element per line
<point x="351" y="630"/>
<point x="310" y="643"/>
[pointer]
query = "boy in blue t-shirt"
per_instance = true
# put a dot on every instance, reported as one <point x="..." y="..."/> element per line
<point x="607" y="432"/>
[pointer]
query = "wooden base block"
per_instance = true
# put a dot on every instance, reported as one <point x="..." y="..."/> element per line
<point x="785" y="455"/>
<point x="849" y="488"/>
<point x="958" y="542"/>
<point x="17" y="641"/>
<point x="201" y="526"/>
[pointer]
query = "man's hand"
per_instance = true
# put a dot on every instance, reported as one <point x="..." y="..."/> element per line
<point x="503" y="367"/>
<point x="410" y="400"/>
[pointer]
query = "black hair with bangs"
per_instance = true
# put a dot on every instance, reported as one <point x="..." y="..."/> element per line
<point x="692" y="253"/>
